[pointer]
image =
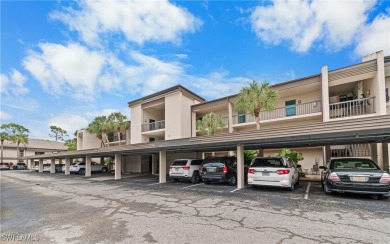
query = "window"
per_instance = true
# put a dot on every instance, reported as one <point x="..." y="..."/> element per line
<point x="196" y="162"/>
<point x="39" y="153"/>
<point x="21" y="152"/>
<point x="241" y="118"/>
<point x="387" y="95"/>
<point x="291" y="108"/>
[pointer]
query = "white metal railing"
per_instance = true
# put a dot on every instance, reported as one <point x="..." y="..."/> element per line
<point x="282" y="112"/>
<point x="352" y="108"/>
<point x="153" y="126"/>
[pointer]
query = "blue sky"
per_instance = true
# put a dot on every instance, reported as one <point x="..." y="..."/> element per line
<point x="64" y="63"/>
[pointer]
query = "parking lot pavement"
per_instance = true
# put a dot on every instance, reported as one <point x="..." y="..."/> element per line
<point x="136" y="209"/>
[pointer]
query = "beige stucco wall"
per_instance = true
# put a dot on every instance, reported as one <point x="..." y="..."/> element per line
<point x="86" y="140"/>
<point x="173" y="116"/>
<point x="186" y="116"/>
<point x="136" y="122"/>
<point x="131" y="164"/>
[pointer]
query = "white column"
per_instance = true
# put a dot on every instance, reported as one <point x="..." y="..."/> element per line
<point x="154" y="164"/>
<point x="118" y="166"/>
<point x="67" y="164"/>
<point x="193" y="124"/>
<point x="87" y="166"/>
<point x="52" y="166"/>
<point x="40" y="169"/>
<point x="230" y="117"/>
<point x="325" y="94"/>
<point x="30" y="164"/>
<point x="163" y="166"/>
<point x="240" y="167"/>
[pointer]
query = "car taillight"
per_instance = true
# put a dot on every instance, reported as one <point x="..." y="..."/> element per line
<point x="283" y="171"/>
<point x="251" y="171"/>
<point x="186" y="167"/>
<point x="225" y="169"/>
<point x="200" y="169"/>
<point x="385" y="178"/>
<point x="334" y="177"/>
<point x="170" y="167"/>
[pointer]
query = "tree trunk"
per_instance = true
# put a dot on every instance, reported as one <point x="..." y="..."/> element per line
<point x="17" y="152"/>
<point x="257" y="123"/>
<point x="119" y="137"/>
<point x="2" y="147"/>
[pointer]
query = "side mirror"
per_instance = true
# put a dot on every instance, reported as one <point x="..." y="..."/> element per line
<point x="323" y="167"/>
<point x="299" y="166"/>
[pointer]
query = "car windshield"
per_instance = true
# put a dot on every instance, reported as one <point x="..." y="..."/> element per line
<point x="268" y="162"/>
<point x="179" y="163"/>
<point x="353" y="164"/>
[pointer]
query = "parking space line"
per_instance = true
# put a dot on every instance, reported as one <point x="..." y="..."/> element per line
<point x="154" y="184"/>
<point x="236" y="190"/>
<point x="307" y="191"/>
<point x="191" y="185"/>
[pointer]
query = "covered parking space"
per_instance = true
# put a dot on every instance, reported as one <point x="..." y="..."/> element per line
<point x="372" y="130"/>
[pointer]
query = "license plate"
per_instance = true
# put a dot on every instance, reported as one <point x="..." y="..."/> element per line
<point x="176" y="169"/>
<point x="265" y="174"/>
<point x="359" y="178"/>
<point x="212" y="170"/>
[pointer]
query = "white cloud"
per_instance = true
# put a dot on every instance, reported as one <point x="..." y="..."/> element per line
<point x="138" y="21"/>
<point x="375" y="36"/>
<point x="13" y="83"/>
<point x="58" y="67"/>
<point x="5" y="116"/>
<point x="302" y="24"/>
<point x="68" y="121"/>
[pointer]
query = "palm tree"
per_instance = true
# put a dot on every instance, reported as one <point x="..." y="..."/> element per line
<point x="291" y="154"/>
<point x="100" y="127"/>
<point x="117" y="121"/>
<point x="16" y="133"/>
<point x="210" y="124"/>
<point x="255" y="98"/>
<point x="3" y="136"/>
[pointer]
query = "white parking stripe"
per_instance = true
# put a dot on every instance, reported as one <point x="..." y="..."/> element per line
<point x="307" y="191"/>
<point x="191" y="186"/>
<point x="154" y="184"/>
<point x="236" y="190"/>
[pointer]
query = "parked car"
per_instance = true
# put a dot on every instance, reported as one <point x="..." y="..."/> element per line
<point x="5" y="166"/>
<point x="356" y="175"/>
<point x="220" y="169"/>
<point x="35" y="167"/>
<point x="57" y="167"/>
<point x="185" y="169"/>
<point x="273" y="171"/>
<point x="79" y="168"/>
<point x="20" y="166"/>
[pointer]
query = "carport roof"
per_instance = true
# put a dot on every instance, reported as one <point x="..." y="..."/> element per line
<point x="373" y="129"/>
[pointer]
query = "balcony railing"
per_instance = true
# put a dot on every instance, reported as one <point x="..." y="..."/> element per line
<point x="352" y="108"/>
<point x="114" y="138"/>
<point x="153" y="126"/>
<point x="283" y="112"/>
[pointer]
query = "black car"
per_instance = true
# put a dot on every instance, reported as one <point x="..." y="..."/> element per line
<point x="355" y="175"/>
<point x="220" y="169"/>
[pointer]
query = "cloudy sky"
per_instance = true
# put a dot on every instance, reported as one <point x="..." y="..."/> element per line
<point x="64" y="63"/>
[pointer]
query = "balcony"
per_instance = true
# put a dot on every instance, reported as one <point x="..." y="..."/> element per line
<point x="350" y="108"/>
<point x="158" y="125"/>
<point x="282" y="112"/>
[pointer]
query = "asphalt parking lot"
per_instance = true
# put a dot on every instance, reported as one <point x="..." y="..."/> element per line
<point x="57" y="208"/>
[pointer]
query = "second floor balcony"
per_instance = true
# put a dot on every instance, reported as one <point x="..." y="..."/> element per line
<point x="158" y="125"/>
<point x="290" y="111"/>
<point x="350" y="108"/>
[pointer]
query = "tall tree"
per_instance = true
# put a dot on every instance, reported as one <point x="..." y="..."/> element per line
<point x="117" y="121"/>
<point x="3" y="136"/>
<point x="255" y="98"/>
<point x="58" y="133"/>
<point x="100" y="127"/>
<point x="210" y="124"/>
<point x="71" y="144"/>
<point x="17" y="134"/>
<point x="291" y="154"/>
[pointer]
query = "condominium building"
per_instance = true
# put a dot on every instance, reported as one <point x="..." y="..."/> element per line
<point x="353" y="92"/>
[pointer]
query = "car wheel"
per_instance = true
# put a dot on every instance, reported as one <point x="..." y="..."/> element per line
<point x="81" y="171"/>
<point x="327" y="192"/>
<point x="233" y="180"/>
<point x="195" y="177"/>
<point x="207" y="182"/>
<point x="104" y="170"/>
<point x="292" y="187"/>
<point x="382" y="197"/>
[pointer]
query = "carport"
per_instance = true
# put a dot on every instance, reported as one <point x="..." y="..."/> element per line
<point x="370" y="130"/>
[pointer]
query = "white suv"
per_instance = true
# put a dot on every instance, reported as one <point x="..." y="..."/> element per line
<point x="185" y="169"/>
<point x="79" y="168"/>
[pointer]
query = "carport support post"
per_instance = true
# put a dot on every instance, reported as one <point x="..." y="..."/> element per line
<point x="52" y="166"/>
<point x="163" y="167"/>
<point x="118" y="166"/>
<point x="67" y="165"/>
<point x="40" y="168"/>
<point x="386" y="159"/>
<point x="154" y="164"/>
<point x="240" y="166"/>
<point x="30" y="164"/>
<point x="87" y="166"/>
